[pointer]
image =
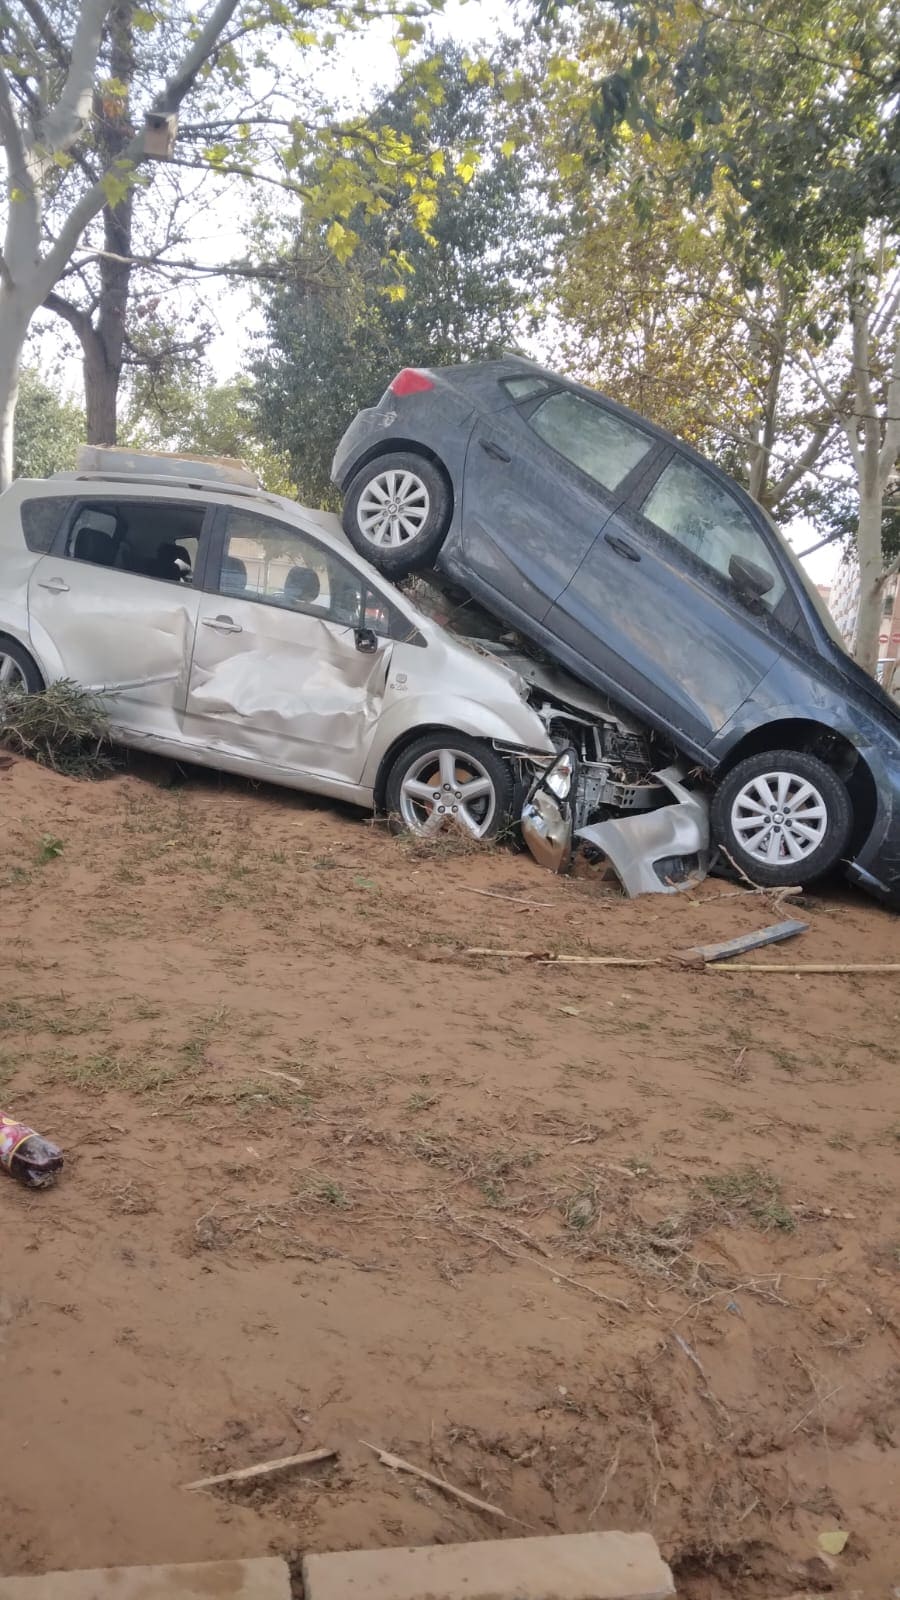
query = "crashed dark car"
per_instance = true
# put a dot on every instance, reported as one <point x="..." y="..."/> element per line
<point x="645" y="571"/>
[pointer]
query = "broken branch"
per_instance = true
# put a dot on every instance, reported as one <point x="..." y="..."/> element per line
<point x="263" y="1469"/>
<point x="399" y="1465"/>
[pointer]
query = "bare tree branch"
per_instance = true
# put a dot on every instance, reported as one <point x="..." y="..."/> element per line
<point x="179" y="85"/>
<point x="73" y="108"/>
<point x="890" y="447"/>
<point x="47" y="31"/>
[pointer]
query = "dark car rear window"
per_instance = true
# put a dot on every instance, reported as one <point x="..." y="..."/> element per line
<point x="524" y="388"/>
<point x="41" y="519"/>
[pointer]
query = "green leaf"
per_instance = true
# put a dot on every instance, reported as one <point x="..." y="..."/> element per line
<point x="833" y="1541"/>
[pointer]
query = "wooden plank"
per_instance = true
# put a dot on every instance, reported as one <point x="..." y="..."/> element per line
<point x="704" y="954"/>
<point x="849" y="969"/>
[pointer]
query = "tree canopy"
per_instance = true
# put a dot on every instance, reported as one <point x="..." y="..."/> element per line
<point x="338" y="330"/>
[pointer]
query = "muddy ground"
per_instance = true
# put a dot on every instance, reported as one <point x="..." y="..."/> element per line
<point x="606" y="1248"/>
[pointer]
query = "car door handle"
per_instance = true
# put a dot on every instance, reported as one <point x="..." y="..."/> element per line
<point x="622" y="547"/>
<point x="222" y="624"/>
<point x="55" y="585"/>
<point x="493" y="450"/>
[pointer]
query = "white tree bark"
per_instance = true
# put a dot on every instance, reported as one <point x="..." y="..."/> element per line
<point x="874" y="440"/>
<point x="29" y="270"/>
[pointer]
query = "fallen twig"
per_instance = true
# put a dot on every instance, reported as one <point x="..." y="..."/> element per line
<point x="608" y="1476"/>
<point x="399" y="1465"/>
<point x="548" y="958"/>
<point x="519" y="1255"/>
<point x="262" y="1470"/>
<point x="270" y="1072"/>
<point x="493" y="894"/>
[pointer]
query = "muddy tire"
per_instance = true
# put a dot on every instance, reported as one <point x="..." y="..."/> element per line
<point x="397" y="510"/>
<point x="783" y="817"/>
<point x="447" y="781"/>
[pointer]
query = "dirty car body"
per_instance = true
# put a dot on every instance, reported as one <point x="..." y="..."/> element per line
<point x="651" y="576"/>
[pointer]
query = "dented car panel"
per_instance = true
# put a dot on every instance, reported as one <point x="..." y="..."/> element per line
<point x="101" y="621"/>
<point x="660" y="851"/>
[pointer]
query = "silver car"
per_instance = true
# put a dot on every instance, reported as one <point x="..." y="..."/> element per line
<point x="230" y="627"/>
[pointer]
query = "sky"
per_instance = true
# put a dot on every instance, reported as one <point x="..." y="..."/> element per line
<point x="364" y="67"/>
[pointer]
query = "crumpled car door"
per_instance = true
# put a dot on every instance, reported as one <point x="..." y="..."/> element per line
<point x="288" y="690"/>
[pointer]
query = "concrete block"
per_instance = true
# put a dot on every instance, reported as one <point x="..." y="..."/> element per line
<point x="263" y="1579"/>
<point x="579" y="1566"/>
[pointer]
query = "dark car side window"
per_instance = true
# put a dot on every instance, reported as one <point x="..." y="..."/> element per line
<point x="601" y="444"/>
<point x="697" y="512"/>
<point x="147" y="538"/>
<point x="41" y="521"/>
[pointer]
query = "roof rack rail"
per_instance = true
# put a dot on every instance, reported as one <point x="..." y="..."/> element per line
<point x="109" y="461"/>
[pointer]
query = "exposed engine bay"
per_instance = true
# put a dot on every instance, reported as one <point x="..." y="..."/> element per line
<point x="616" y="787"/>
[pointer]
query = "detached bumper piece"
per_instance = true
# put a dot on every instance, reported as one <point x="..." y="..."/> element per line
<point x="661" y="851"/>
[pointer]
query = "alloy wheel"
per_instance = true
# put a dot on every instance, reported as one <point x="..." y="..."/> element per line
<point x="447" y="788"/>
<point x="11" y="675"/>
<point x="393" y="508"/>
<point x="779" y="817"/>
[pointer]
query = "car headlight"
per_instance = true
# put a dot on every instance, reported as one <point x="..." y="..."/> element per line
<point x="561" y="776"/>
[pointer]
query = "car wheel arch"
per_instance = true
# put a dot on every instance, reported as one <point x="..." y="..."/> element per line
<point x="395" y="447"/>
<point x="25" y="650"/>
<point x="835" y="748"/>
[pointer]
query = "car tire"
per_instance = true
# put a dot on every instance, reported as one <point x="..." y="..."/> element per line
<point x="17" y="669"/>
<point x="434" y="771"/>
<point x="410" y="540"/>
<point x="782" y="817"/>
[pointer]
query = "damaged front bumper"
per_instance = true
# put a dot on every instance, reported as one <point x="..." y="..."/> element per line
<point x="654" y="848"/>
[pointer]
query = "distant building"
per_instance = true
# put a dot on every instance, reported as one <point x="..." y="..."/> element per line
<point x="843" y="603"/>
<point x="843" y="599"/>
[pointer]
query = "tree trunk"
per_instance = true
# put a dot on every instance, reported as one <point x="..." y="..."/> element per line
<point x="101" y="388"/>
<point x="14" y="320"/>
<point x="871" y="575"/>
<point x="103" y="351"/>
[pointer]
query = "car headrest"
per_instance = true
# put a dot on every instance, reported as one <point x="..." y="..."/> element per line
<point x="302" y="584"/>
<point x="92" y="544"/>
<point x="234" y="576"/>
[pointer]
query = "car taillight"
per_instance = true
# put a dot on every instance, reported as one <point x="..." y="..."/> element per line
<point x="409" y="381"/>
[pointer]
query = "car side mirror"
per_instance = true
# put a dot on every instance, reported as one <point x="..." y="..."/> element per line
<point x="366" y="641"/>
<point x="750" y="578"/>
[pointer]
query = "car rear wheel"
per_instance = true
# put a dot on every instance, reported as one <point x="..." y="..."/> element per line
<point x="447" y="782"/>
<point x="783" y="817"/>
<point x="397" y="511"/>
<point x="17" y="670"/>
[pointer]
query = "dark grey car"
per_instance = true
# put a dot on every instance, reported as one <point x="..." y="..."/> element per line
<point x="651" y="575"/>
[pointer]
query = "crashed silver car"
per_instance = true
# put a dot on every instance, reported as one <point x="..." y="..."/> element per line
<point x="228" y="626"/>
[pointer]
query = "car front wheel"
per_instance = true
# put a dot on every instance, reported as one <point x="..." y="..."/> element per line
<point x="450" y="782"/>
<point x="782" y="817"/>
<point x="397" y="511"/>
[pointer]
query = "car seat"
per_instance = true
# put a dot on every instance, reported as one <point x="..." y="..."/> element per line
<point x="166" y="563"/>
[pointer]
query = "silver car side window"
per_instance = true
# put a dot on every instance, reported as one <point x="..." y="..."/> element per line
<point x="692" y="508"/>
<point x="603" y="445"/>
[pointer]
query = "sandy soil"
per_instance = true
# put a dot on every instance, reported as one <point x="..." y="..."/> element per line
<point x="606" y="1248"/>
